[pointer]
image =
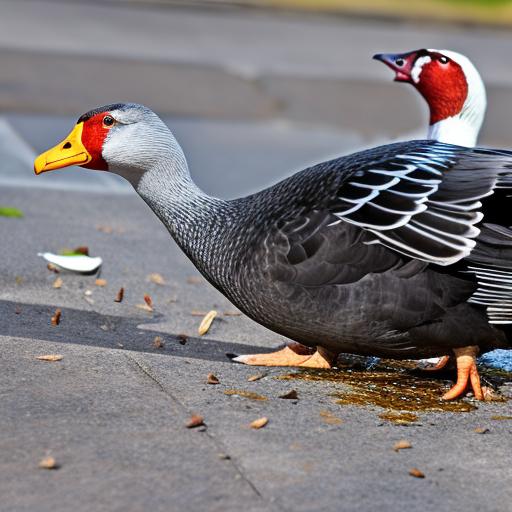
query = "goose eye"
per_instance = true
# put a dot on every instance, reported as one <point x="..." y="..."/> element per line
<point x="443" y="59"/>
<point x="108" y="121"/>
<point x="399" y="62"/>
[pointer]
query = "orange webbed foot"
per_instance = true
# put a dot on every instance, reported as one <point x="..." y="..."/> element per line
<point x="467" y="373"/>
<point x="293" y="355"/>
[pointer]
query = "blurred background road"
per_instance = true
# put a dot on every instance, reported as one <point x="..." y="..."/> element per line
<point x="254" y="91"/>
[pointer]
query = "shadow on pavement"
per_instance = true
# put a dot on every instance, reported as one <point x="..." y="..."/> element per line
<point x="79" y="327"/>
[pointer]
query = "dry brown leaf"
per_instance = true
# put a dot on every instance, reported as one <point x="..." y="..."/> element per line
<point x="19" y="280"/>
<point x="259" y="423"/>
<point x="415" y="472"/>
<point x="402" y="445"/>
<point x="290" y="395"/>
<point x="145" y="307"/>
<point x="212" y="379"/>
<point x="83" y="249"/>
<point x="193" y="280"/>
<point x="195" y="421"/>
<point x="481" y="430"/>
<point x="50" y="357"/>
<point x="55" y="320"/>
<point x="254" y="378"/>
<point x="148" y="300"/>
<point x="232" y="313"/>
<point x="100" y="282"/>
<point x="156" y="278"/>
<point x="120" y="295"/>
<point x="105" y="229"/>
<point x="158" y="342"/>
<point x="48" y="463"/>
<point x="245" y="394"/>
<point x="182" y="339"/>
<point x="330" y="419"/>
<point x="206" y="322"/>
<point x="52" y="268"/>
<point x="57" y="283"/>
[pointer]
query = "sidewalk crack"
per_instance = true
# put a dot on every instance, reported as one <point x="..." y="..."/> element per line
<point x="219" y="446"/>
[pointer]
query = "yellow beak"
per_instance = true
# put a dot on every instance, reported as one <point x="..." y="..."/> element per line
<point x="70" y="151"/>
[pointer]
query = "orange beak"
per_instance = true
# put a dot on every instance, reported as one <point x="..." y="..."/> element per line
<point x="70" y="151"/>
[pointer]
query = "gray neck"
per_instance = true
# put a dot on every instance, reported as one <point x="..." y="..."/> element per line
<point x="197" y="222"/>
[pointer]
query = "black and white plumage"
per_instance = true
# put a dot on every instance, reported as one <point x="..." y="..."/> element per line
<point x="401" y="251"/>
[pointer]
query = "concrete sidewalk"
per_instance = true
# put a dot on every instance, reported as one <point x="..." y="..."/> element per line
<point x="112" y="412"/>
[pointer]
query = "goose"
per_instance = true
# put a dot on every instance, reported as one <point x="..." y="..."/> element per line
<point x="398" y="251"/>
<point x="455" y="94"/>
<point x="452" y="88"/>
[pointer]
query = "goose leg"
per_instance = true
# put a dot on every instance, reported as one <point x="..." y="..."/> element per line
<point x="294" y="355"/>
<point x="466" y="373"/>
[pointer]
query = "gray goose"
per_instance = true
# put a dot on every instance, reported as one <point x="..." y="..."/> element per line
<point x="400" y="251"/>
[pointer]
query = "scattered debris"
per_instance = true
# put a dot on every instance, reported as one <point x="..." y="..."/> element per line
<point x="145" y="307"/>
<point x="148" y="300"/>
<point x="329" y="418"/>
<point x="402" y="445"/>
<point x="245" y="394"/>
<point x="105" y="229"/>
<point x="193" y="280"/>
<point x="195" y="421"/>
<point x="88" y="293"/>
<point x="402" y="418"/>
<point x="212" y="379"/>
<point x="120" y="295"/>
<point x="57" y="283"/>
<point x="253" y="378"/>
<point x="196" y="312"/>
<point x="481" y="430"/>
<point x="79" y="263"/>
<point x="501" y="418"/>
<point x="259" y="423"/>
<point x="206" y="322"/>
<point x="52" y="268"/>
<point x="157" y="279"/>
<point x="18" y="280"/>
<point x="77" y="251"/>
<point x="491" y="395"/>
<point x="104" y="327"/>
<point x="55" y="320"/>
<point x="88" y="299"/>
<point x="224" y="456"/>
<point x="17" y="310"/>
<point x="100" y="282"/>
<point x="48" y="463"/>
<point x="158" y="342"/>
<point x="182" y="339"/>
<point x="415" y="472"/>
<point x="232" y="313"/>
<point x="10" y="211"/>
<point x="120" y="345"/>
<point x="290" y="395"/>
<point x="50" y="357"/>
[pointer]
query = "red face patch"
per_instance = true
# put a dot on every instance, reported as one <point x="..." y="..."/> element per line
<point x="444" y="87"/>
<point x="94" y="134"/>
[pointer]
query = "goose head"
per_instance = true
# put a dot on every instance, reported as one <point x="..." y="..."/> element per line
<point x="125" y="138"/>
<point x="451" y="86"/>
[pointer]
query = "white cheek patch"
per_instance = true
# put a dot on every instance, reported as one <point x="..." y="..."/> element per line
<point x="418" y="67"/>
